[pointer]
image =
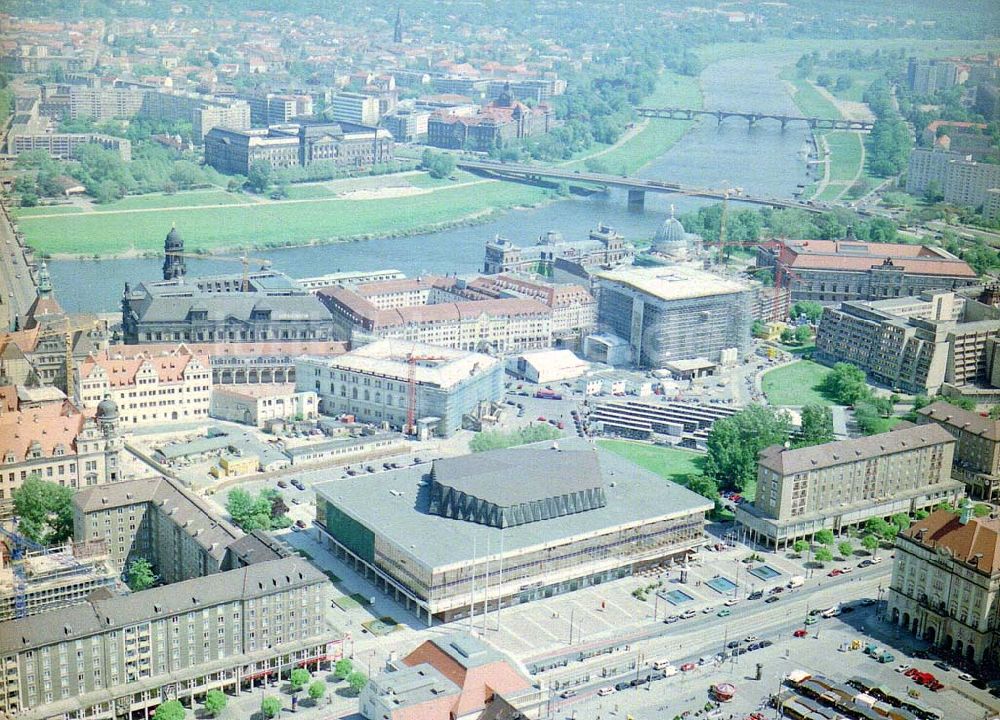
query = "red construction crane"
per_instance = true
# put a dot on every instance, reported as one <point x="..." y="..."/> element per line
<point x="411" y="389"/>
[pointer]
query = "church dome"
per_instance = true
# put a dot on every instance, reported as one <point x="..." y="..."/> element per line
<point x="670" y="236"/>
<point x="107" y="409"/>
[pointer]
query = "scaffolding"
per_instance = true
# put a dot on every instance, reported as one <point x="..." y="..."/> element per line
<point x="37" y="578"/>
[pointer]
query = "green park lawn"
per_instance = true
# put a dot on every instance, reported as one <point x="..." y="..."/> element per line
<point x="809" y="100"/>
<point x="45" y="210"/>
<point x="157" y="201"/>
<point x="271" y="224"/>
<point x="671" y="463"/>
<point x="796" y="384"/>
<point x="846" y="155"/>
<point x="657" y="136"/>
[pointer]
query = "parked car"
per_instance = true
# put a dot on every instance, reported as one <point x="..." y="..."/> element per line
<point x="688" y="667"/>
<point x="687" y="614"/>
<point x="800" y="633"/>
<point x="724" y="612"/>
<point x="605" y="691"/>
<point x="567" y="694"/>
<point x="902" y="668"/>
<point x="772" y="599"/>
<point x="750" y="639"/>
<point x="733" y="643"/>
<point x="300" y="523"/>
<point x="811" y="620"/>
<point x="671" y="619"/>
<point x="283" y="484"/>
<point x="731" y="601"/>
<point x="942" y="665"/>
<point x="756" y="595"/>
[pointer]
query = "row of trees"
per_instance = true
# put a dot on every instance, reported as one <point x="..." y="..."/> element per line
<point x="748" y="226"/>
<point x="889" y="143"/>
<point x="107" y="177"/>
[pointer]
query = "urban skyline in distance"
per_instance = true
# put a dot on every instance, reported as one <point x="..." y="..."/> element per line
<point x="499" y="361"/>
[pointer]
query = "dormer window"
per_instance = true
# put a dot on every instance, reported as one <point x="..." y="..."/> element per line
<point x="9" y="457"/>
<point x="34" y="450"/>
<point x="60" y="450"/>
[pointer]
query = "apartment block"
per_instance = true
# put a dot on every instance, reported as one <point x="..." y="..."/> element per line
<point x="842" y="484"/>
<point x="101" y="102"/>
<point x="977" y="447"/>
<point x="122" y="656"/>
<point x="917" y="344"/>
<point x="203" y="111"/>
<point x="961" y="180"/>
<point x="65" y="145"/>
<point x="355" y="108"/>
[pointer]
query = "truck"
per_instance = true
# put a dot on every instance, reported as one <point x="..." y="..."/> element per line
<point x="796" y="581"/>
<point x="546" y="394"/>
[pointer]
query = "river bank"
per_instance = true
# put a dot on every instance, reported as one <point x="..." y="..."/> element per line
<point x="312" y="217"/>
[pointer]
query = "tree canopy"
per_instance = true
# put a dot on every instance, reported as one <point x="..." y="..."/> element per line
<point x="140" y="575"/>
<point x="44" y="510"/>
<point x="215" y="702"/>
<point x="170" y="710"/>
<point x="817" y="425"/>
<point x="846" y="384"/>
<point x="734" y="442"/>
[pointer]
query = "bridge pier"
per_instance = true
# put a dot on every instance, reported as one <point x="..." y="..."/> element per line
<point x="719" y="117"/>
<point x="636" y="199"/>
<point x="751" y="120"/>
<point x="784" y="122"/>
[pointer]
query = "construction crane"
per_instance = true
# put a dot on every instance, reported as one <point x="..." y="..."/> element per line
<point x="18" y="546"/>
<point x="244" y="259"/>
<point x="411" y="389"/>
<point x="66" y="332"/>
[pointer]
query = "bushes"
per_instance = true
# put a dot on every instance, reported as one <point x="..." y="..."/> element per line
<point x="496" y="439"/>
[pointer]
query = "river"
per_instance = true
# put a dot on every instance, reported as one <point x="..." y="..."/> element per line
<point x="763" y="160"/>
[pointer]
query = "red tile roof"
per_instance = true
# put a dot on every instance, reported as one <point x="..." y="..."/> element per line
<point x="50" y="426"/>
<point x="979" y="536"/>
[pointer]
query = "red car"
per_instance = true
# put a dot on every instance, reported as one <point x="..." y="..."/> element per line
<point x="688" y="667"/>
<point x="835" y="572"/>
<point x="801" y="632"/>
<point x="541" y="418"/>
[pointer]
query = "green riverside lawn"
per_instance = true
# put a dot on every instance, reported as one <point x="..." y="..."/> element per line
<point x="671" y="463"/>
<point x="214" y="220"/>
<point x="796" y="384"/>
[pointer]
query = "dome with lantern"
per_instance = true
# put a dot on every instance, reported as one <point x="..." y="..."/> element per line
<point x="671" y="238"/>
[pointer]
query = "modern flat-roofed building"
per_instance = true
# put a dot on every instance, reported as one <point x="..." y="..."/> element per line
<point x="257" y="405"/>
<point x="100" y="102"/>
<point x="204" y="112"/>
<point x="977" y="447"/>
<point x="831" y="271"/>
<point x="114" y="657"/>
<point x="917" y="344"/>
<point x="355" y="108"/>
<point x="945" y="584"/>
<point x="508" y="526"/>
<point x="960" y="179"/>
<point x="674" y="313"/>
<point x="843" y="484"/>
<point x="372" y="383"/>
<point x="407" y="126"/>
<point x="64" y="145"/>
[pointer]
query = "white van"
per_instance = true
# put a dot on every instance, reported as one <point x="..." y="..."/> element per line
<point x="797" y="581"/>
<point x="660" y="664"/>
<point x="831" y="612"/>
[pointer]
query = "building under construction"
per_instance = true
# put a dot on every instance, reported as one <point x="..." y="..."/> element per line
<point x="393" y="383"/>
<point x="675" y="313"/>
<point x="34" y="579"/>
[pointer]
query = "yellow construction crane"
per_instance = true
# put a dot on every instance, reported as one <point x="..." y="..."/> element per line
<point x="244" y="259"/>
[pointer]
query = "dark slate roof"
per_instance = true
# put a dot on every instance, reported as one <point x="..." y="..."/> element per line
<point x="100" y="615"/>
<point x="508" y="488"/>
<point x="396" y="509"/>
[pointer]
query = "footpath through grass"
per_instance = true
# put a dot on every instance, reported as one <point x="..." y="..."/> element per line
<point x="671" y="463"/>
<point x="796" y="384"/>
<point x="272" y="224"/>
